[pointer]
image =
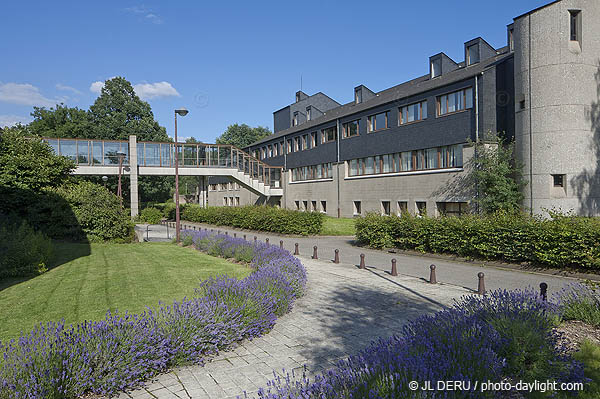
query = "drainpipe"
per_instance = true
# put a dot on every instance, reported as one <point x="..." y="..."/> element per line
<point x="284" y="181"/>
<point x="337" y="167"/>
<point x="530" y="127"/>
<point x="477" y="134"/>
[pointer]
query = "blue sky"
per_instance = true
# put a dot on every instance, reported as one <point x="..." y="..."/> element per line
<point x="229" y="62"/>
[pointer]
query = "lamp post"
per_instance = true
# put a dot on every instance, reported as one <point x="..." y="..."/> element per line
<point x="182" y="112"/>
<point x="104" y="179"/>
<point x="121" y="156"/>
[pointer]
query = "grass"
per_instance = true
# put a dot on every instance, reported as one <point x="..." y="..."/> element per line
<point x="113" y="276"/>
<point x="338" y="226"/>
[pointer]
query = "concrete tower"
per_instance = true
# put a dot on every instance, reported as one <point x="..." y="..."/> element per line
<point x="557" y="105"/>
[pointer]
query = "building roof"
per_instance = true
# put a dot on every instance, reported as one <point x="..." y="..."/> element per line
<point x="536" y="9"/>
<point x="395" y="93"/>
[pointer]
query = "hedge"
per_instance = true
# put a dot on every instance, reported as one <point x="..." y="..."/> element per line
<point x="23" y="251"/>
<point x="151" y="215"/>
<point x="558" y="242"/>
<point x="257" y="218"/>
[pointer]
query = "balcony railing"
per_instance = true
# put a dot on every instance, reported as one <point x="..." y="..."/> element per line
<point x="153" y="154"/>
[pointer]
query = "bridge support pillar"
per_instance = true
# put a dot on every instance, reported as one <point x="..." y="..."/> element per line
<point x="203" y="197"/>
<point x="133" y="176"/>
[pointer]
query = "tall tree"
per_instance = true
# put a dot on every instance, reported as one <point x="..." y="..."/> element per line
<point x="243" y="135"/>
<point x="118" y="113"/>
<point x="61" y="121"/>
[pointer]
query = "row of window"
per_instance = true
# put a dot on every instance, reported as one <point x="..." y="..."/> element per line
<point x="431" y="158"/>
<point x="443" y="208"/>
<point x="445" y="104"/>
<point x="311" y="206"/>
<point x="231" y="201"/>
<point x="313" y="172"/>
<point x="224" y="186"/>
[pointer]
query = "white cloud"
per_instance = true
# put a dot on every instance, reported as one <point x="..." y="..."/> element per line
<point x="11" y="120"/>
<point x="147" y="13"/>
<point x="146" y="91"/>
<point x="96" y="87"/>
<point x="25" y="94"/>
<point x="62" y="87"/>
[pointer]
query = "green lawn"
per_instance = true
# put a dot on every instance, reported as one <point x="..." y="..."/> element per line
<point x="338" y="226"/>
<point x="113" y="276"/>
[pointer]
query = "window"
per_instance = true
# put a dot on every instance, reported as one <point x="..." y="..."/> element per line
<point x="453" y="208"/>
<point x="421" y="208"/>
<point x="305" y="206"/>
<point x="324" y="206"/>
<point x="436" y="67"/>
<point x="270" y="151"/>
<point x="297" y="144"/>
<point x="377" y="122"/>
<point x="297" y="203"/>
<point x="329" y="134"/>
<point x="357" y="207"/>
<point x="224" y="201"/>
<point x="511" y="39"/>
<point x="575" y="25"/>
<point x="313" y="140"/>
<point x="473" y="54"/>
<point x="358" y="96"/>
<point x="402" y="208"/>
<point x="522" y="104"/>
<point x="295" y="120"/>
<point x="412" y="113"/>
<point x="350" y="129"/>
<point x="558" y="180"/>
<point x="313" y="172"/>
<point x="305" y="142"/>
<point x="237" y="201"/>
<point x="275" y="149"/>
<point x="314" y="206"/>
<point x="297" y="97"/>
<point x="308" y="113"/>
<point x="231" y="201"/>
<point x="385" y="208"/>
<point x="290" y="148"/>
<point x="455" y="101"/>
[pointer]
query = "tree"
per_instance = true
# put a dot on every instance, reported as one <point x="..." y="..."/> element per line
<point x="497" y="176"/>
<point x="118" y="113"/>
<point x="61" y="121"/>
<point x="243" y="135"/>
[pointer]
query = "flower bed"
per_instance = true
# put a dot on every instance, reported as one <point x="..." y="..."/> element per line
<point x="124" y="350"/>
<point x="505" y="336"/>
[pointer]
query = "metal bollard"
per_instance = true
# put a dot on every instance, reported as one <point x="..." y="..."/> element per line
<point x="432" y="279"/>
<point x="362" y="261"/>
<point x="218" y="231"/>
<point x="226" y="233"/>
<point x="315" y="253"/>
<point x="267" y="241"/>
<point x="336" y="256"/>
<point x="255" y="239"/>
<point x="296" y="251"/>
<point x="280" y="244"/>
<point x="234" y="235"/>
<point x="147" y="233"/>
<point x="245" y="237"/>
<point x="394" y="270"/>
<point x="194" y="228"/>
<point x="544" y="291"/>
<point x="481" y="285"/>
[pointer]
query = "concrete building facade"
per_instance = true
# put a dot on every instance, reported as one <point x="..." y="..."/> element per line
<point x="405" y="149"/>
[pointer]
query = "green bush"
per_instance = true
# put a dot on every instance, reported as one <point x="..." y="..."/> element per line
<point x="257" y="218"/>
<point x="23" y="251"/>
<point x="558" y="242"/>
<point x="589" y="355"/>
<point x="151" y="215"/>
<point x="98" y="212"/>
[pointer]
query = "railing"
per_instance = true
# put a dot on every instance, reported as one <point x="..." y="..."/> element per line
<point x="154" y="154"/>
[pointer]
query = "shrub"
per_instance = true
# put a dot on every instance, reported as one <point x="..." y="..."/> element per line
<point x="98" y="212"/>
<point x="479" y="339"/>
<point x="557" y="242"/>
<point x="23" y="251"/>
<point x="589" y="355"/>
<point x="579" y="302"/>
<point x="151" y="215"/>
<point x="257" y="218"/>
<point x="124" y="350"/>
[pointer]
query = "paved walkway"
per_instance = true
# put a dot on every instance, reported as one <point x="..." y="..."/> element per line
<point x="343" y="310"/>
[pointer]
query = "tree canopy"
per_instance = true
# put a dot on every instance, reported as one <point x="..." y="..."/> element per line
<point x="61" y="121"/>
<point x="243" y="135"/>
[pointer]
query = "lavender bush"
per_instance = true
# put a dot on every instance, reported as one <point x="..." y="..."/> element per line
<point x="506" y="335"/>
<point x="123" y="350"/>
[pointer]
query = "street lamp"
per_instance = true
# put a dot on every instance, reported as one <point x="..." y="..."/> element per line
<point x="104" y="179"/>
<point x="121" y="156"/>
<point x="182" y="112"/>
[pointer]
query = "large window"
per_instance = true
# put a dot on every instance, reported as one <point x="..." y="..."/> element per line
<point x="473" y="54"/>
<point x="350" y="129"/>
<point x="377" y="122"/>
<point x="436" y="67"/>
<point x="329" y="134"/>
<point x="455" y="101"/>
<point x="313" y="172"/>
<point x="412" y="113"/>
<point x="430" y="158"/>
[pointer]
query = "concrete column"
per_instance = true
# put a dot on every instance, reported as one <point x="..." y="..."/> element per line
<point x="203" y="200"/>
<point x="133" y="176"/>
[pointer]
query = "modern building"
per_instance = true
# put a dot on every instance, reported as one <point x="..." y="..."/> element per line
<point x="405" y="149"/>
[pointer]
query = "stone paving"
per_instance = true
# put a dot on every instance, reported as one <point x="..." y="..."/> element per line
<point x="343" y="310"/>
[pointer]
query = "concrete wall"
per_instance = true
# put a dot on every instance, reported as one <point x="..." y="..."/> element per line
<point x="558" y="130"/>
